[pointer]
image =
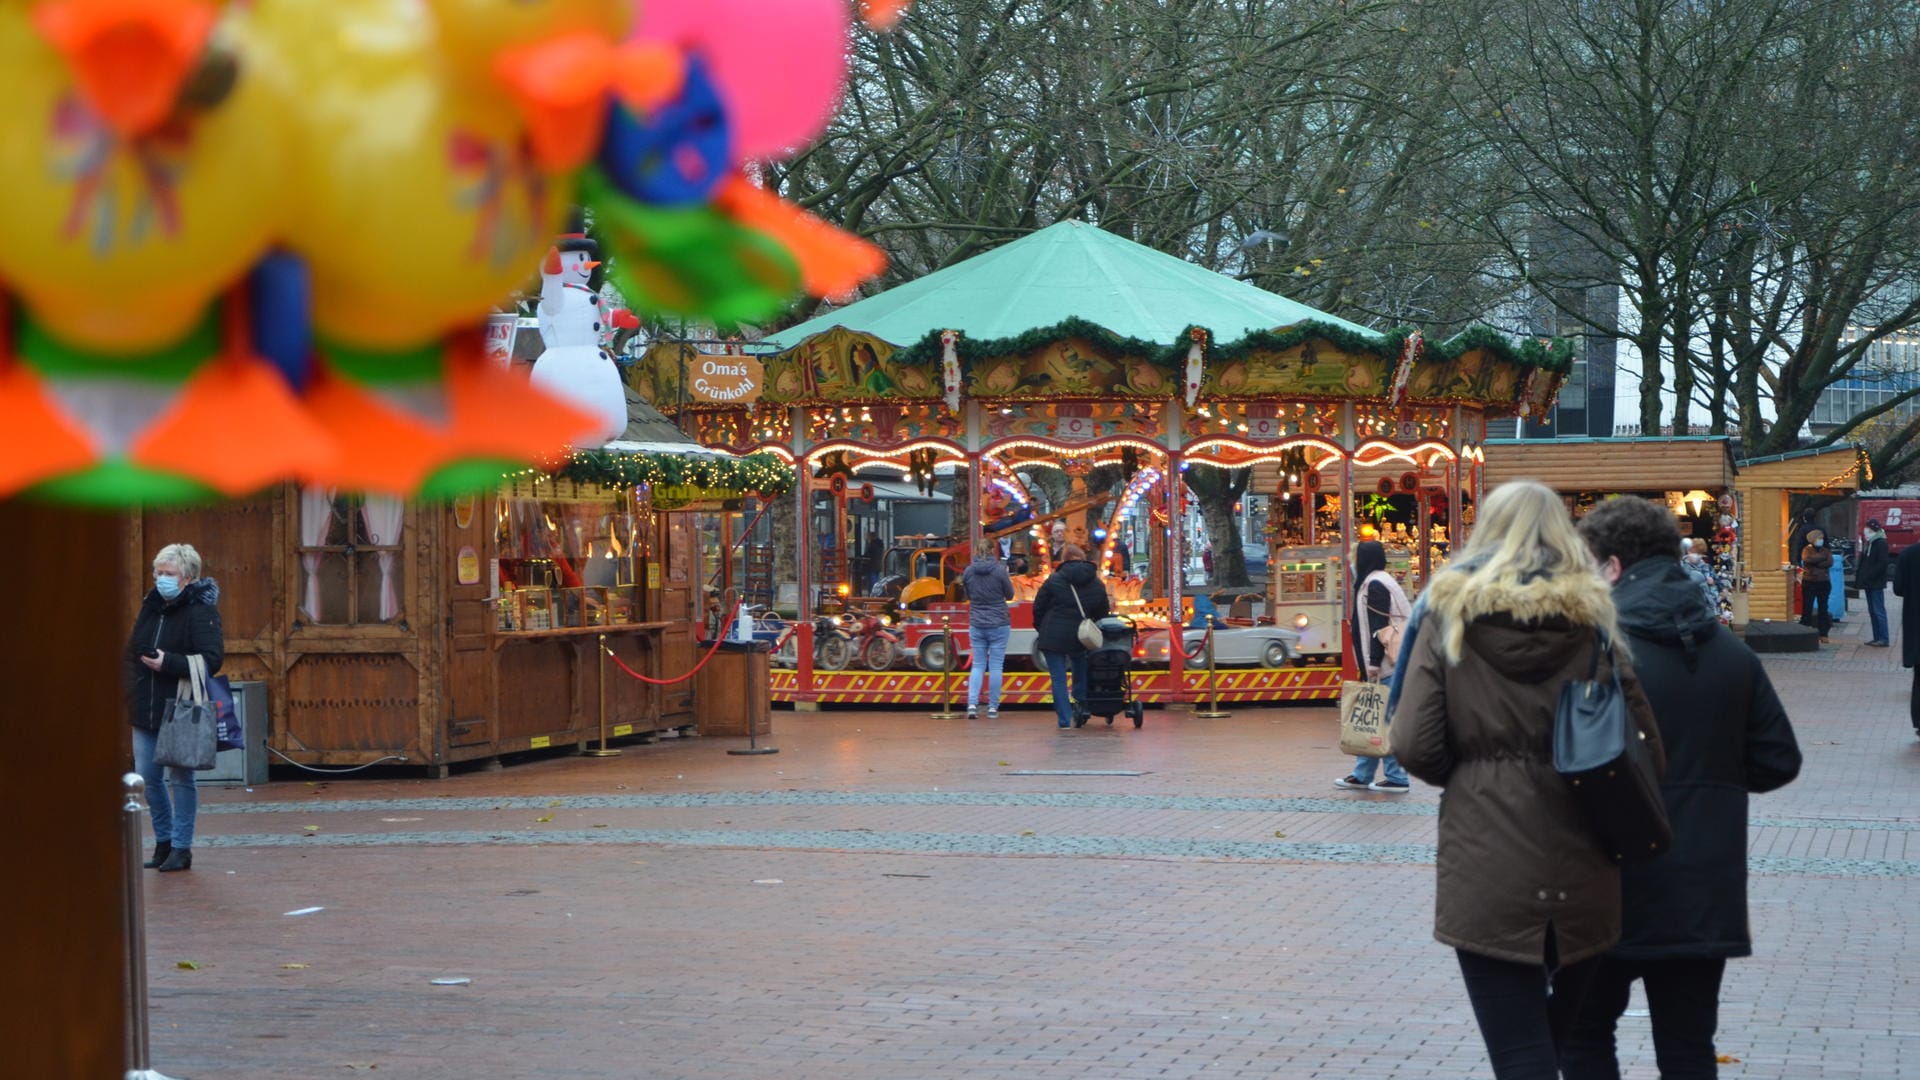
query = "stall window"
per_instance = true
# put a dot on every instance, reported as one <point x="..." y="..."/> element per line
<point x="350" y="571"/>
<point x="567" y="562"/>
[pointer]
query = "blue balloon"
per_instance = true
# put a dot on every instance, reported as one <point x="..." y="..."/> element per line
<point x="281" y="291"/>
<point x="676" y="156"/>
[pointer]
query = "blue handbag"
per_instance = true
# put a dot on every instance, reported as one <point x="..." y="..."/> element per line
<point x="229" y="734"/>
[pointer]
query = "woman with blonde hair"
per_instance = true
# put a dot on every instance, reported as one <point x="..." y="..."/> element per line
<point x="1524" y="893"/>
<point x="178" y="618"/>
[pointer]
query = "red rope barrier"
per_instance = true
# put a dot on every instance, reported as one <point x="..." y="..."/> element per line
<point x="714" y="648"/>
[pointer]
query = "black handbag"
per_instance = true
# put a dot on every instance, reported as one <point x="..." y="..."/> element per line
<point x="1604" y="757"/>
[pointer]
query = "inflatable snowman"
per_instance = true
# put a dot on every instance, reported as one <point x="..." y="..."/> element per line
<point x="574" y="366"/>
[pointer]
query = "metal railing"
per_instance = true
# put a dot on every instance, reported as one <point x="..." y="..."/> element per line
<point x="139" y="1049"/>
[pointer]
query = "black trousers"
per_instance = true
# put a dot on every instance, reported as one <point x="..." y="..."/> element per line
<point x="1913" y="699"/>
<point x="1525" y="1010"/>
<point x="1814" y="596"/>
<point x="1683" y="1000"/>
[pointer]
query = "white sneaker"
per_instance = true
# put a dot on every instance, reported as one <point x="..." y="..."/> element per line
<point x="973" y="712"/>
<point x="993" y="714"/>
<point x="1389" y="787"/>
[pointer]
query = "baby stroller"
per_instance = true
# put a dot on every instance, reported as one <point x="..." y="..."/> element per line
<point x="1109" y="689"/>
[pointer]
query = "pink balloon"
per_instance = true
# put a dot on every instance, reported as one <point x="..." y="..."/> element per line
<point x="779" y="64"/>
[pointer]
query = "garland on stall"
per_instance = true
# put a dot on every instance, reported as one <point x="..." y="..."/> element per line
<point x="760" y="474"/>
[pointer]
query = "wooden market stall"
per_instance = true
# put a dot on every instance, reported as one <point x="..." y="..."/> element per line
<point x="1067" y="382"/>
<point x="1766" y="486"/>
<point x="428" y="634"/>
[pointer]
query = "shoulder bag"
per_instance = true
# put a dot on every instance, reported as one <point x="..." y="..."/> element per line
<point x="1089" y="632"/>
<point x="1603" y="756"/>
<point x="187" y="731"/>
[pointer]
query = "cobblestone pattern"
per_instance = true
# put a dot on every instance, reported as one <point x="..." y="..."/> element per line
<point x="899" y="908"/>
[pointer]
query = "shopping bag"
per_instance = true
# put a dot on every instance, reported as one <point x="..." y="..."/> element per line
<point x="228" y="732"/>
<point x="187" y="731"/>
<point x="1363" y="719"/>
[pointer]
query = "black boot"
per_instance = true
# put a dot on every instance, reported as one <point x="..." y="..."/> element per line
<point x="177" y="859"/>
<point x="160" y="852"/>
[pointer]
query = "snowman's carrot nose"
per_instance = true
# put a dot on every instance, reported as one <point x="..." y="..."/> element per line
<point x="589" y="264"/>
<point x="128" y="57"/>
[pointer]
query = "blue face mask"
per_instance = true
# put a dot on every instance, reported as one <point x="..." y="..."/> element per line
<point x="167" y="585"/>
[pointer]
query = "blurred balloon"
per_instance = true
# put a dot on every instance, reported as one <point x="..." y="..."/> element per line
<point x="779" y="64"/>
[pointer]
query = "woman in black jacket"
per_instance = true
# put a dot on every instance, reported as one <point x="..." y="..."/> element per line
<point x="1058" y="607"/>
<point x="1726" y="736"/>
<point x="178" y="619"/>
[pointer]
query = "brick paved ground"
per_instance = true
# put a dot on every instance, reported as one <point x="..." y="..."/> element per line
<point x="884" y="899"/>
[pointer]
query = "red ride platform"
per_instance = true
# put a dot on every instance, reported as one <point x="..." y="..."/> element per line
<point x="1236" y="685"/>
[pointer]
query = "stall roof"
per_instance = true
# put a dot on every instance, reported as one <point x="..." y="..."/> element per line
<point x="1805" y="470"/>
<point x="646" y="425"/>
<point x="1649" y="463"/>
<point x="1070" y="271"/>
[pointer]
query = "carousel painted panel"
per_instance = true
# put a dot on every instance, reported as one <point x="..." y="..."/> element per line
<point x="1310" y="369"/>
<point x="1070" y="367"/>
<point x="844" y="365"/>
<point x="1262" y="421"/>
<point x="744" y="430"/>
<point x="1076" y="421"/>
<point x="884" y="425"/>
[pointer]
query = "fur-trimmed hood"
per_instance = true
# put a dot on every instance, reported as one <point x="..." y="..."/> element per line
<point x="1523" y="628"/>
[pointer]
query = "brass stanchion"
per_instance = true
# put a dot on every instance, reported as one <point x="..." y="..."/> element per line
<point x="139" y="1049"/>
<point x="601" y="655"/>
<point x="1213" y="683"/>
<point x="946" y="673"/>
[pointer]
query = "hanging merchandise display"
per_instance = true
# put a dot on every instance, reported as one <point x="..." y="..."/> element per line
<point x="245" y="243"/>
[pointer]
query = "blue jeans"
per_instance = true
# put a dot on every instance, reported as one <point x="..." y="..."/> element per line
<point x="1877" y="613"/>
<point x="173" y="804"/>
<point x="1363" y="769"/>
<point x="989" y="659"/>
<point x="1057" y="665"/>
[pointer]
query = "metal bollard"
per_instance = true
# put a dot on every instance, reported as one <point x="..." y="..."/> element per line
<point x="139" y="1050"/>
<point x="1213" y="682"/>
<point x="600" y="654"/>
<point x="946" y="674"/>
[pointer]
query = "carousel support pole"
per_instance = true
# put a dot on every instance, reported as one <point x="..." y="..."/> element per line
<point x="1212" y="712"/>
<point x="1176" y="577"/>
<point x="600" y="654"/>
<point x="946" y="674"/>
<point x="74" y="1021"/>
<point x="804" y="697"/>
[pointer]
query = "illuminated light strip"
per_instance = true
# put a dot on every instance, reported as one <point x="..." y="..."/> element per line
<point x="1406" y="453"/>
<point x="835" y="446"/>
<point x="1251" y="447"/>
<point x="1071" y="449"/>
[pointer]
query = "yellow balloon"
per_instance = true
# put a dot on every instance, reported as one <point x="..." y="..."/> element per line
<point x="118" y="245"/>
<point x="419" y="206"/>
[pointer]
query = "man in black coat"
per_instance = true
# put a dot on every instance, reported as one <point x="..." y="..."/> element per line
<point x="1726" y="736"/>
<point x="1906" y="585"/>
<point x="1870" y="576"/>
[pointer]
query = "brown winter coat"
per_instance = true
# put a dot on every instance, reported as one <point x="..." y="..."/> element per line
<point x="1816" y="561"/>
<point x="1515" y="856"/>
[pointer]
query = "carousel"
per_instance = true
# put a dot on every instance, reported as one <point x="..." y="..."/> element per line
<point x="1216" y="448"/>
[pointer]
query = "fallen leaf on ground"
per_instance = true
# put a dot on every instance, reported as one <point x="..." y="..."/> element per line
<point x="599" y="826"/>
<point x="544" y="817"/>
<point x="1028" y="832"/>
<point x="1279" y="834"/>
<point x="311" y="828"/>
<point x="1726" y="1059"/>
<point x="187" y="965"/>
<point x="294" y="967"/>
<point x="554" y="802"/>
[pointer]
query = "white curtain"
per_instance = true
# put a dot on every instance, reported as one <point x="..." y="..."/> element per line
<point x="383" y="516"/>
<point x="316" y="513"/>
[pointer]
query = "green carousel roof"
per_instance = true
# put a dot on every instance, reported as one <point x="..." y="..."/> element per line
<point x="1074" y="273"/>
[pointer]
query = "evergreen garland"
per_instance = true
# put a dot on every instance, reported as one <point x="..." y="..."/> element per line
<point x="1555" y="355"/>
<point x="759" y="474"/>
